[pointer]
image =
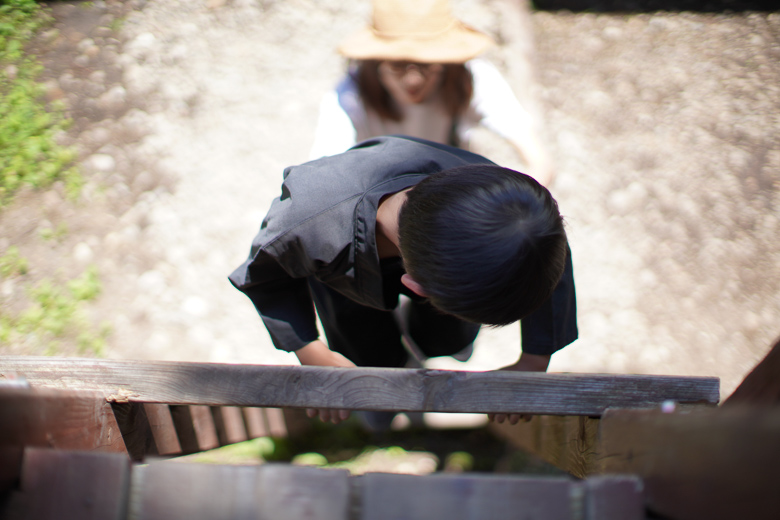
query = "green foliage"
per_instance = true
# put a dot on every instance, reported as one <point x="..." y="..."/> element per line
<point x="29" y="155"/>
<point x="55" y="233"/>
<point x="56" y="315"/>
<point x="12" y="263"/>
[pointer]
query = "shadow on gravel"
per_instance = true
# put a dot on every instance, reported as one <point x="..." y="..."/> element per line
<point x="644" y="6"/>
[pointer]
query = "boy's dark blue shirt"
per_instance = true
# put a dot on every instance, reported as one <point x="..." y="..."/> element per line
<point x="323" y="226"/>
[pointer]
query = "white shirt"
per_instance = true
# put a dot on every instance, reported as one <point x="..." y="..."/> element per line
<point x="344" y="121"/>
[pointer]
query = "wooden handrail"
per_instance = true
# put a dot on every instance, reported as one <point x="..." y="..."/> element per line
<point x="361" y="388"/>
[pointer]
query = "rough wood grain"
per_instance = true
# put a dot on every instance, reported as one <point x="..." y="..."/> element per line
<point x="64" y="485"/>
<point x="466" y="497"/>
<point x="569" y="443"/>
<point x="71" y="420"/>
<point x="364" y="388"/>
<point x="714" y="464"/>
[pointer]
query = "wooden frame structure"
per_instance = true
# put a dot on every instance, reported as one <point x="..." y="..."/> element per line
<point x="594" y="426"/>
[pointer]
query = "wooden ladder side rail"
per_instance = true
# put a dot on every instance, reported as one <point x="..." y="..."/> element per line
<point x="714" y="463"/>
<point x="361" y="388"/>
<point x="85" y="486"/>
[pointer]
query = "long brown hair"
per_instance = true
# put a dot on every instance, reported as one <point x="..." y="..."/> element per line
<point x="456" y="89"/>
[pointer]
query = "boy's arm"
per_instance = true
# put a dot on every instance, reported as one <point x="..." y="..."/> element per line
<point x="530" y="363"/>
<point x="317" y="353"/>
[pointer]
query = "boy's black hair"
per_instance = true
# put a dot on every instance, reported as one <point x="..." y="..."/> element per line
<point x="486" y="243"/>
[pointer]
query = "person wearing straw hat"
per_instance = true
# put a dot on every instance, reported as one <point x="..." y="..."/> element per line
<point x="412" y="72"/>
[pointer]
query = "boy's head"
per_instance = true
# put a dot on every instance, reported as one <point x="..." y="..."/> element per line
<point x="485" y="243"/>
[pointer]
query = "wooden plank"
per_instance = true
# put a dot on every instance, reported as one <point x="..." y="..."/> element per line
<point x="199" y="491"/>
<point x="363" y="389"/>
<point x="300" y="493"/>
<point x="569" y="443"/>
<point x="229" y="423"/>
<point x="64" y="485"/>
<point x="714" y="464"/>
<point x="762" y="384"/>
<point x="614" y="497"/>
<point x="195" y="428"/>
<point x="163" y="430"/>
<point x="136" y="429"/>
<point x="465" y="497"/>
<point x="70" y="420"/>
<point x="164" y="491"/>
<point x="255" y="422"/>
<point x="275" y="419"/>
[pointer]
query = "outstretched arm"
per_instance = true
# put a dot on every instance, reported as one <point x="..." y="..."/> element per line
<point x="317" y="353"/>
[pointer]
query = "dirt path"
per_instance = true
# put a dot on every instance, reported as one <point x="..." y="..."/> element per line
<point x="663" y="128"/>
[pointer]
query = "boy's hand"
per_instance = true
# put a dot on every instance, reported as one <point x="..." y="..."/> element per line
<point x="526" y="363"/>
<point x="317" y="353"/>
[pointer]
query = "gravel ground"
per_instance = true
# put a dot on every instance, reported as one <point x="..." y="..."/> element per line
<point x="663" y="127"/>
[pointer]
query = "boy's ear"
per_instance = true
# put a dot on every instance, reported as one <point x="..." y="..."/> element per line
<point x="413" y="286"/>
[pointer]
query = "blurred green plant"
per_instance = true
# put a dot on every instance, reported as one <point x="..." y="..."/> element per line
<point x="57" y="233"/>
<point x="29" y="154"/>
<point x="254" y="451"/>
<point x="12" y="263"/>
<point x="56" y="315"/>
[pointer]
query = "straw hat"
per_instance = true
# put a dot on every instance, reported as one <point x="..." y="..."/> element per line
<point x="415" y="30"/>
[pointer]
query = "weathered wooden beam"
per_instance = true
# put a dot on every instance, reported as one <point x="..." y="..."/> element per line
<point x="362" y="388"/>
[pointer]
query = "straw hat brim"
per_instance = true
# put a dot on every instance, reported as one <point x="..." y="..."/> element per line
<point x="457" y="44"/>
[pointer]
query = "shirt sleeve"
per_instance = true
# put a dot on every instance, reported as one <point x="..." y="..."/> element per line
<point x="283" y="302"/>
<point x="553" y="325"/>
